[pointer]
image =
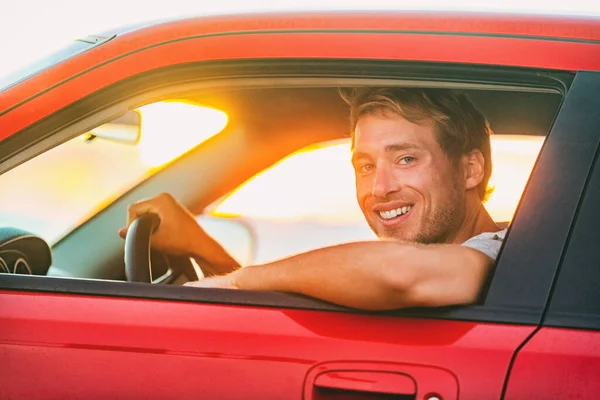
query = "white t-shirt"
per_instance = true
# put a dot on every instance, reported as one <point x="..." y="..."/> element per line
<point x="488" y="243"/>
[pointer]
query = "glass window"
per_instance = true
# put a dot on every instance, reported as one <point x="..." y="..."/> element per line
<point x="55" y="192"/>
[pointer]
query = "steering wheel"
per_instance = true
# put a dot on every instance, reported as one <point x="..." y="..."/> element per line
<point x="138" y="264"/>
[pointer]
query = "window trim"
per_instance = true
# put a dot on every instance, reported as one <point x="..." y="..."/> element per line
<point x="246" y="298"/>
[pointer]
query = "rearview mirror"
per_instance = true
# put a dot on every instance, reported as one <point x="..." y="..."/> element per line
<point x="126" y="129"/>
<point x="233" y="234"/>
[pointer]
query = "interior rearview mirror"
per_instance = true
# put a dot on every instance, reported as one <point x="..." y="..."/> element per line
<point x="233" y="234"/>
<point x="126" y="129"/>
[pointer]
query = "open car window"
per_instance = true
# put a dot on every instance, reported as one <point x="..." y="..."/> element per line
<point x="308" y="199"/>
<point x="290" y="185"/>
<point x="60" y="189"/>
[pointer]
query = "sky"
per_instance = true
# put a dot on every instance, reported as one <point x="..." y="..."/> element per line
<point x="30" y="29"/>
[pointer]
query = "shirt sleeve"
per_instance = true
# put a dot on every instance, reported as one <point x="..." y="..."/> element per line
<point x="488" y="243"/>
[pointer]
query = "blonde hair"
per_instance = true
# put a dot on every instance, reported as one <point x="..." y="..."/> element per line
<point x="459" y="126"/>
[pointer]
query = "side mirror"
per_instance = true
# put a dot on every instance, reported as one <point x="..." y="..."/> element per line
<point x="126" y="129"/>
<point x="233" y="234"/>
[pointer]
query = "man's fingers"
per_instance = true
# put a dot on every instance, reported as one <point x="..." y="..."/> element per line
<point x="141" y="208"/>
<point x="137" y="209"/>
<point x="159" y="205"/>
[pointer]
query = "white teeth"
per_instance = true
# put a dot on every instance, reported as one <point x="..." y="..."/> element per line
<point x="394" y="213"/>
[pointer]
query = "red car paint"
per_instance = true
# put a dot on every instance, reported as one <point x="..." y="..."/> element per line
<point x="161" y="349"/>
<point x="557" y="364"/>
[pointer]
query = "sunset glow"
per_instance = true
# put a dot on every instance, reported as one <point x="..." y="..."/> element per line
<point x="170" y="129"/>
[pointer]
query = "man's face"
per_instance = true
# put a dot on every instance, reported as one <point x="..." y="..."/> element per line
<point x="406" y="186"/>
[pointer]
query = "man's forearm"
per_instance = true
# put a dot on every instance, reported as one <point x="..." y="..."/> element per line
<point x="376" y="275"/>
<point x="366" y="275"/>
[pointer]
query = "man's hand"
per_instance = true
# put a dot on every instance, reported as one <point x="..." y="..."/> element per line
<point x="178" y="232"/>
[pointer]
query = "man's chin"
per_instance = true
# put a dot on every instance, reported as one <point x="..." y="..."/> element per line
<point x="396" y="234"/>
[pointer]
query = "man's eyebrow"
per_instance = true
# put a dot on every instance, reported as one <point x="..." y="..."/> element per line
<point x="389" y="148"/>
<point x="400" y="147"/>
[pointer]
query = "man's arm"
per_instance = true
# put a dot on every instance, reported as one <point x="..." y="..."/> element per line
<point x="372" y="275"/>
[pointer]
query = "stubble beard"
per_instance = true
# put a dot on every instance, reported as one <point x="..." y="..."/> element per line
<point x="439" y="226"/>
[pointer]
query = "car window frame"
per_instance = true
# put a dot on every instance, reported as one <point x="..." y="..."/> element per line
<point x="498" y="306"/>
<point x="580" y="268"/>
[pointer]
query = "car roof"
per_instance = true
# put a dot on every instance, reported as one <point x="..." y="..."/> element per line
<point x="548" y="26"/>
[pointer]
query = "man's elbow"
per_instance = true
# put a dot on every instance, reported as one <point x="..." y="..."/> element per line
<point x="409" y="288"/>
<point x="421" y="295"/>
<point x="403" y="290"/>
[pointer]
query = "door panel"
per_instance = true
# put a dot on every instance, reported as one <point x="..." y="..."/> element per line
<point x="100" y="347"/>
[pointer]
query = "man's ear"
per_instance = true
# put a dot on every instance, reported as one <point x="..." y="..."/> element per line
<point x="473" y="163"/>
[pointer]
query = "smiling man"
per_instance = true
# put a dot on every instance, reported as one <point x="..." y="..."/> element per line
<point x="422" y="165"/>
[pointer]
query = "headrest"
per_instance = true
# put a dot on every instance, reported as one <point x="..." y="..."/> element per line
<point x="22" y="252"/>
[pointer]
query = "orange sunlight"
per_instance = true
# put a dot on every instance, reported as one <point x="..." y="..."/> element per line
<point x="331" y="194"/>
<point x="169" y="129"/>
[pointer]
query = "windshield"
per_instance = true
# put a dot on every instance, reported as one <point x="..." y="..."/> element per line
<point x="69" y="51"/>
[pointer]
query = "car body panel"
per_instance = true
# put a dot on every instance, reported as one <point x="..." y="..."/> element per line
<point x="160" y="349"/>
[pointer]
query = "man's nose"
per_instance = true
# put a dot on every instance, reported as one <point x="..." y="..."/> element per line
<point x="384" y="183"/>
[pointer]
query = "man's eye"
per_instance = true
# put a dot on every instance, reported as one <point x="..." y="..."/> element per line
<point x="365" y="168"/>
<point x="406" y="160"/>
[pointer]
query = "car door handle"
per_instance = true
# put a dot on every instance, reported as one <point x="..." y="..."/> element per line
<point x="364" y="385"/>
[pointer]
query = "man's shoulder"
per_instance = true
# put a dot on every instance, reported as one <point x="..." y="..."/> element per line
<point x="488" y="243"/>
<point x="497" y="235"/>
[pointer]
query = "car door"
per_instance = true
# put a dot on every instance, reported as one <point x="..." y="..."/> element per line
<point x="103" y="339"/>
<point x="562" y="359"/>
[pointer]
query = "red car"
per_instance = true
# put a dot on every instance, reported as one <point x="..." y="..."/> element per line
<point x="71" y="326"/>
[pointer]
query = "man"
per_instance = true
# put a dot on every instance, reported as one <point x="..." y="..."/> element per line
<point x="422" y="162"/>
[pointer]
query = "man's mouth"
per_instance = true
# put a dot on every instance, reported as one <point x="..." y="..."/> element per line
<point x="394" y="214"/>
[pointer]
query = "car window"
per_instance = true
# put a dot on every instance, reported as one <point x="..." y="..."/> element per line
<point x="307" y="200"/>
<point x="58" y="190"/>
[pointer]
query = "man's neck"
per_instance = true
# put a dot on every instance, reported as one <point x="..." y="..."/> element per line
<point x="477" y="220"/>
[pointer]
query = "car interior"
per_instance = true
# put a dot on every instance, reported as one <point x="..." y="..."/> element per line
<point x="266" y="124"/>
